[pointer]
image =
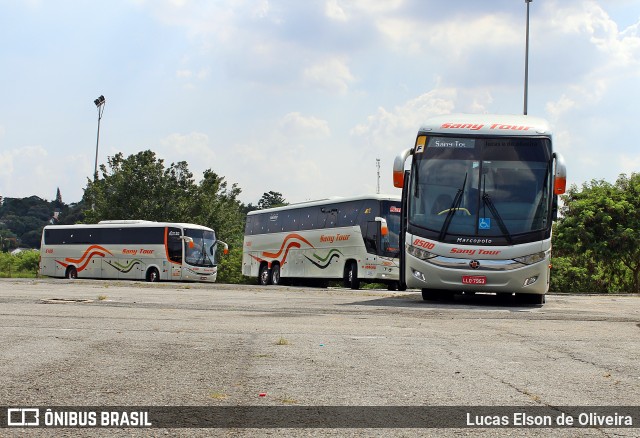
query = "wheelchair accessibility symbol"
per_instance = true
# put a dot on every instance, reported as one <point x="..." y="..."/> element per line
<point x="484" y="223"/>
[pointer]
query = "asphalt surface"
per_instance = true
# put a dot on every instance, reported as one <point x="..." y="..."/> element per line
<point x="112" y="343"/>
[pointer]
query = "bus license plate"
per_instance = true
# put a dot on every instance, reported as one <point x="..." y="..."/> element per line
<point x="474" y="279"/>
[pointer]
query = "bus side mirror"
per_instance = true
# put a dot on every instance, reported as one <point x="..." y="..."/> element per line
<point x="225" y="247"/>
<point x="398" y="168"/>
<point x="560" y="176"/>
<point x="384" y="229"/>
<point x="189" y="241"/>
<point x="384" y="232"/>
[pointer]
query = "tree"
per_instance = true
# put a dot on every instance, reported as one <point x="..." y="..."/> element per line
<point x="598" y="237"/>
<point x="25" y="218"/>
<point x="139" y="187"/>
<point x="58" y="202"/>
<point x="271" y="199"/>
<point x="218" y="208"/>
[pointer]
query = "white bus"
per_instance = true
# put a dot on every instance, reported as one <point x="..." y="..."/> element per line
<point x="479" y="199"/>
<point x="130" y="249"/>
<point x="350" y="239"/>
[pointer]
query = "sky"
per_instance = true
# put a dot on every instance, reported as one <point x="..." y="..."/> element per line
<point x="302" y="97"/>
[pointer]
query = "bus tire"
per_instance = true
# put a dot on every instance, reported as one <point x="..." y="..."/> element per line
<point x="264" y="276"/>
<point x="351" y="275"/>
<point x="275" y="274"/>
<point x="437" y="295"/>
<point x="71" y="273"/>
<point x="153" y="275"/>
<point x="531" y="298"/>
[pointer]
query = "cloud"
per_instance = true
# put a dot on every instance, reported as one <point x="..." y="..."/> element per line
<point x="334" y="11"/>
<point x="26" y="170"/>
<point x="629" y="163"/>
<point x="593" y="85"/>
<point x="385" y="129"/>
<point x="295" y="125"/>
<point x="283" y="166"/>
<point x="332" y="75"/>
<point x="193" y="148"/>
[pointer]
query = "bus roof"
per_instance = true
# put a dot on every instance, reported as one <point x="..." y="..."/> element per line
<point x="331" y="200"/>
<point x="131" y="224"/>
<point x="486" y="124"/>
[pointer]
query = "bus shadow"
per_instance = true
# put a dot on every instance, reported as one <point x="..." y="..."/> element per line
<point x="410" y="299"/>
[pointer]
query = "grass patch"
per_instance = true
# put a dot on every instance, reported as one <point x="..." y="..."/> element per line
<point x="102" y="297"/>
<point x="19" y="274"/>
<point x="282" y="341"/>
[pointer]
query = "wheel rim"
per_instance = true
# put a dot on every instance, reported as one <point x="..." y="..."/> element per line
<point x="276" y="275"/>
<point x="264" y="276"/>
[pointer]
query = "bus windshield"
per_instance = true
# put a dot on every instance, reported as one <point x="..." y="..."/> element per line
<point x="202" y="252"/>
<point x="481" y="188"/>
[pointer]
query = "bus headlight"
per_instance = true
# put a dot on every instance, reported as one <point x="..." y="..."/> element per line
<point x="533" y="258"/>
<point x="419" y="253"/>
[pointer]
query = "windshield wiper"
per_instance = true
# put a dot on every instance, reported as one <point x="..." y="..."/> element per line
<point x="452" y="210"/>
<point x="492" y="208"/>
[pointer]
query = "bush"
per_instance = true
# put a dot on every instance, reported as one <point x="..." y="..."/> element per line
<point x="24" y="264"/>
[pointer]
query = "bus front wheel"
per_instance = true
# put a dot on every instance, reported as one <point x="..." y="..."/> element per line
<point x="153" y="275"/>
<point x="72" y="273"/>
<point x="264" y="276"/>
<point x="531" y="299"/>
<point x="351" y="276"/>
<point x="437" y="294"/>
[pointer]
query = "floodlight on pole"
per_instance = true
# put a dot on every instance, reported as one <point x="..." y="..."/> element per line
<point x="526" y="61"/>
<point x="100" y="101"/>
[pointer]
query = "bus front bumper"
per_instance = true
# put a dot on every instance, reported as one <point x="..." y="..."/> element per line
<point x="496" y="276"/>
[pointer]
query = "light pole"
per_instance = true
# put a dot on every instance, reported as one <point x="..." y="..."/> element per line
<point x="526" y="61"/>
<point x="100" y="101"/>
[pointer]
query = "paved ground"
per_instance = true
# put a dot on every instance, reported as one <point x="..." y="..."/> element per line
<point x="109" y="343"/>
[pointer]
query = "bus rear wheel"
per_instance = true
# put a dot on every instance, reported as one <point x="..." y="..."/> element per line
<point x="275" y="274"/>
<point x="264" y="277"/>
<point x="71" y="273"/>
<point x="153" y="275"/>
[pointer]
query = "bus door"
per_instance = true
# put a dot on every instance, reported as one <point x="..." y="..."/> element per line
<point x="173" y="264"/>
<point x="372" y="243"/>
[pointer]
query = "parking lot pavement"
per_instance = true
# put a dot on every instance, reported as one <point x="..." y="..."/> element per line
<point x="111" y="343"/>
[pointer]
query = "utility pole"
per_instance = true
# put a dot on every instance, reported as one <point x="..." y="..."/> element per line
<point x="378" y="167"/>
<point x="526" y="61"/>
